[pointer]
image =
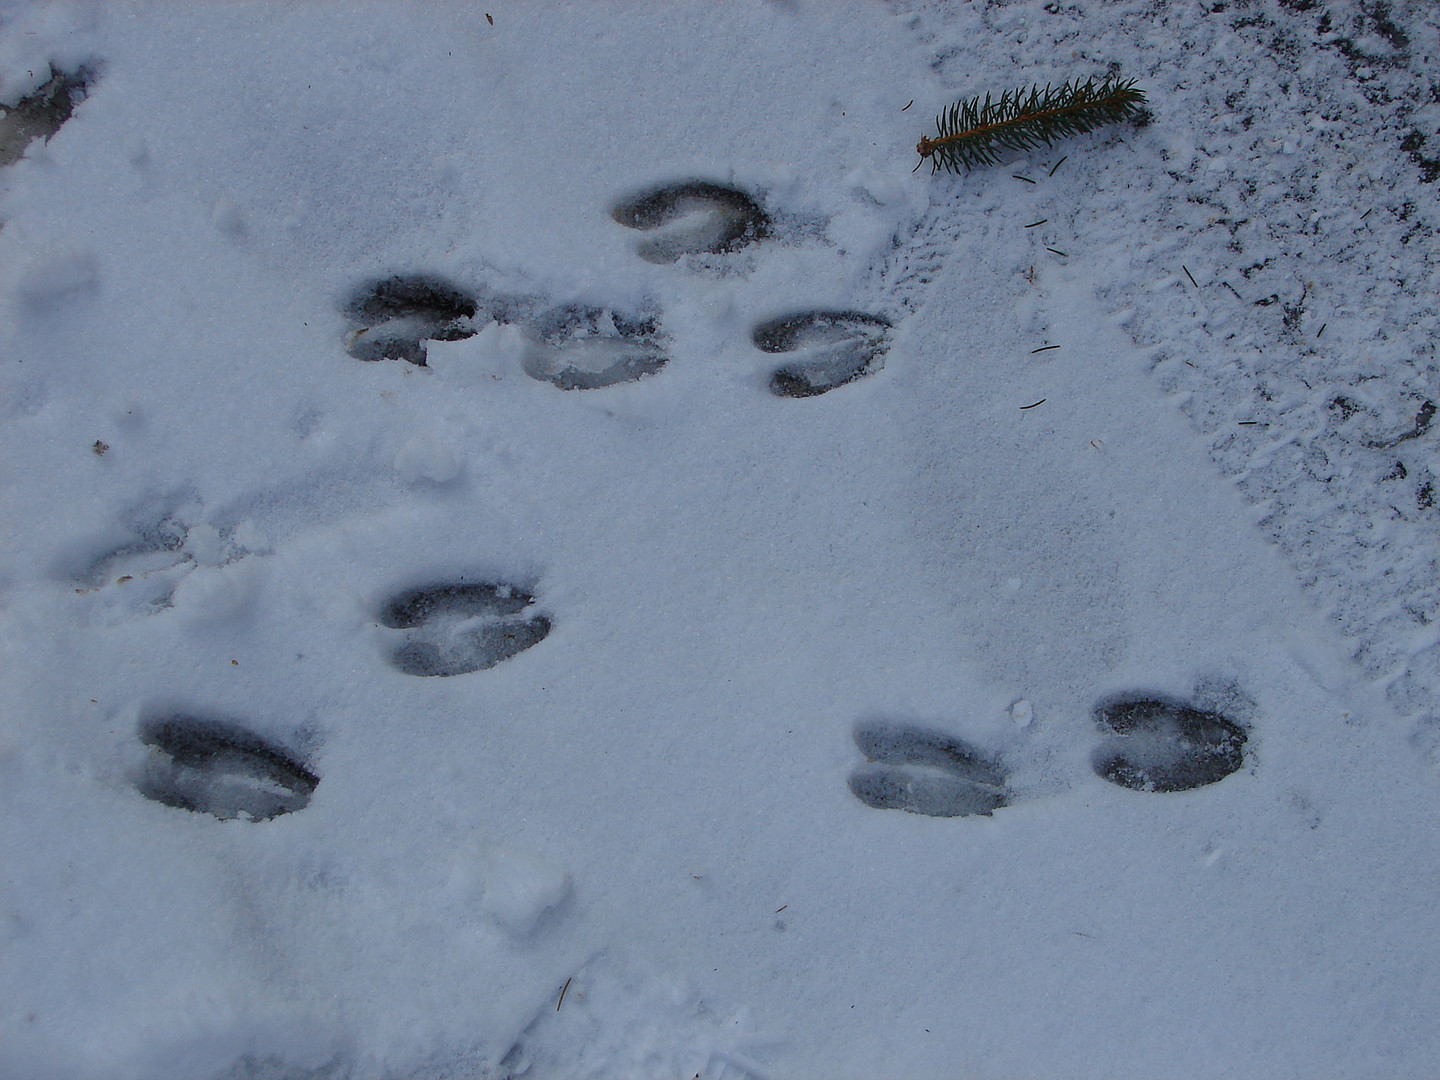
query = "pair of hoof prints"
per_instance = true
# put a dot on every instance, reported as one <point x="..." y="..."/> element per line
<point x="222" y="768"/>
<point x="1150" y="743"/>
<point x="574" y="347"/>
<point x="579" y="347"/>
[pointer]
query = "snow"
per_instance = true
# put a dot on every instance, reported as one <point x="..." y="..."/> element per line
<point x="554" y="708"/>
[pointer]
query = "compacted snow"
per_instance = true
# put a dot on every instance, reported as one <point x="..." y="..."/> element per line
<point x="535" y="545"/>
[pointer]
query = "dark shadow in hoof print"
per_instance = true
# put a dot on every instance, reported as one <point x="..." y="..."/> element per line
<point x="41" y="114"/>
<point x="220" y="768"/>
<point x="831" y="348"/>
<point x="391" y="319"/>
<point x="692" y="217"/>
<point x="586" y="348"/>
<point x="1159" y="744"/>
<point x="924" y="772"/>
<point x="454" y="629"/>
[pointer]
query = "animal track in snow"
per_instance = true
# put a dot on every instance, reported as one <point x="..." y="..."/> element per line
<point x="156" y="549"/>
<point x="572" y="346"/>
<point x="221" y="768"/>
<point x="1160" y="744"/>
<point x="831" y="349"/>
<point x="140" y="576"/>
<point x="457" y="628"/>
<point x="41" y="114"/>
<point x="148" y="572"/>
<point x="393" y="318"/>
<point x="585" y="348"/>
<point x="924" y="772"/>
<point x="903" y="277"/>
<point x="691" y="217"/>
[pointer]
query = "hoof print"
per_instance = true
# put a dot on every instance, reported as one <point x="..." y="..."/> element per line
<point x="693" y="217"/>
<point x="586" y="348"/>
<point x="924" y="772"/>
<point x="41" y="114"/>
<point x="393" y="318"/>
<point x="220" y="768"/>
<point x="139" y="577"/>
<point x="454" y="629"/>
<point x="833" y="348"/>
<point x="155" y="548"/>
<point x="1159" y="744"/>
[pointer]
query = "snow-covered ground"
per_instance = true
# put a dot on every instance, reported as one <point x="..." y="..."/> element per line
<point x="552" y="707"/>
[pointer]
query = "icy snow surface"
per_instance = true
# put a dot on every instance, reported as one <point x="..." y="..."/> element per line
<point x="534" y="545"/>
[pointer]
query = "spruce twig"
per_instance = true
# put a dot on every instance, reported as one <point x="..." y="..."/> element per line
<point x="972" y="133"/>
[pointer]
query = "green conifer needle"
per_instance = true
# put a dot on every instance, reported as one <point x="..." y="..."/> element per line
<point x="972" y="133"/>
